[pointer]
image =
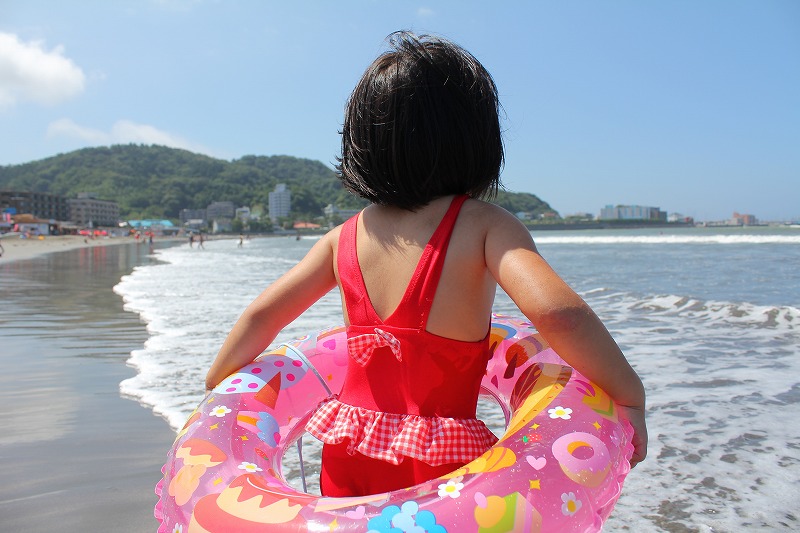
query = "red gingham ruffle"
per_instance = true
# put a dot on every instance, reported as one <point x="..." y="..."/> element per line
<point x="390" y="436"/>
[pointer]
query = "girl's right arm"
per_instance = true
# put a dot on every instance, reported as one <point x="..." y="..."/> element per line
<point x="568" y="324"/>
<point x="277" y="306"/>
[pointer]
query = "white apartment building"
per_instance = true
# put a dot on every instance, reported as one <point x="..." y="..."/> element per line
<point x="280" y="202"/>
<point x="632" y="212"/>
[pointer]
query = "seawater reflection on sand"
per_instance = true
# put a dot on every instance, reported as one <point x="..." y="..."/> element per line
<point x="75" y="456"/>
<point x="61" y="301"/>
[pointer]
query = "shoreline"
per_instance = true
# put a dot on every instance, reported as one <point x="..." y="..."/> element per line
<point x="16" y="248"/>
<point x="77" y="455"/>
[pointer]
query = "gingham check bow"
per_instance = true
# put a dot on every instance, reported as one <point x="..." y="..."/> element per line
<point x="361" y="347"/>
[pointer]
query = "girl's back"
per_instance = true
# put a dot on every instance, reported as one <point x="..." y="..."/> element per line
<point x="390" y="243"/>
<point x="410" y="391"/>
<point x="422" y="126"/>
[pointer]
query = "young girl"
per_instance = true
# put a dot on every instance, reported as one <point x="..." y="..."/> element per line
<point x="417" y="271"/>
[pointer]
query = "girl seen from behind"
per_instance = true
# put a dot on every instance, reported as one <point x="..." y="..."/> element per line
<point x="417" y="271"/>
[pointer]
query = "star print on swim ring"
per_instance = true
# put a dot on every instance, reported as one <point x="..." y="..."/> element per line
<point x="559" y="466"/>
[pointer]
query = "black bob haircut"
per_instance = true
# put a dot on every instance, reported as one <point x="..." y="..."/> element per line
<point x="422" y="123"/>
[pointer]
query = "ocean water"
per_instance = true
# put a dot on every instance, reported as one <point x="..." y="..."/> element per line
<point x="709" y="317"/>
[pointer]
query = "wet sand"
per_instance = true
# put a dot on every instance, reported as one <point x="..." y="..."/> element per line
<point x="76" y="456"/>
<point x="16" y="248"/>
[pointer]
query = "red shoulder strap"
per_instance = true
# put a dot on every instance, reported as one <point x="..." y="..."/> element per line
<point x="422" y="289"/>
<point x="415" y="306"/>
<point x="354" y="290"/>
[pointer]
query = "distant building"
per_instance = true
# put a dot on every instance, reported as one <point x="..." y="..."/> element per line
<point x="337" y="215"/>
<point x="186" y="215"/>
<point x="679" y="218"/>
<point x="743" y="220"/>
<point x="632" y="212"/>
<point x="39" y="204"/>
<point x="243" y="214"/>
<point x="220" y="210"/>
<point x="29" y="224"/>
<point x="221" y="225"/>
<point x="88" y="210"/>
<point x="195" y="224"/>
<point x="280" y="202"/>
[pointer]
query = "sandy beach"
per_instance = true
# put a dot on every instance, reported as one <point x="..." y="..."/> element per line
<point x="76" y="456"/>
<point x="16" y="248"/>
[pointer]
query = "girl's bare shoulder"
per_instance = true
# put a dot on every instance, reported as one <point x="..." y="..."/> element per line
<point x="331" y="238"/>
<point x="498" y="230"/>
<point x="485" y="216"/>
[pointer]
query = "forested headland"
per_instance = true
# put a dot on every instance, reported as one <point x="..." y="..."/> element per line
<point x="157" y="182"/>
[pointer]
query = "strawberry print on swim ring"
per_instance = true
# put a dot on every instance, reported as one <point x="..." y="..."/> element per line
<point x="559" y="466"/>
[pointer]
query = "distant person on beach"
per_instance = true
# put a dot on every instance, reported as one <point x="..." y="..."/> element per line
<point x="241" y="240"/>
<point x="417" y="271"/>
<point x="191" y="240"/>
<point x="200" y="242"/>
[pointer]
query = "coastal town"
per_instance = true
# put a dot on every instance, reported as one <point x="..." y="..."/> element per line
<point x="30" y="213"/>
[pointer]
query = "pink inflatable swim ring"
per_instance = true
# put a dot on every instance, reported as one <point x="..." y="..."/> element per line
<point x="559" y="466"/>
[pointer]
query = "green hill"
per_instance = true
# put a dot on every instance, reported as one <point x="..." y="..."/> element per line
<point x="157" y="182"/>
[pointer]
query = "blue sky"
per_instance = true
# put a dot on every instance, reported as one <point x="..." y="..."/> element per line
<point x="691" y="106"/>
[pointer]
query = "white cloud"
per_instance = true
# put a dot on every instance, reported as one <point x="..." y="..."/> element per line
<point x="30" y="72"/>
<point x="66" y="128"/>
<point x="122" y="132"/>
<point x="125" y="131"/>
<point x="425" y="12"/>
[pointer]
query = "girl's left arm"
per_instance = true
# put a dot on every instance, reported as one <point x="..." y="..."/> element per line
<point x="273" y="309"/>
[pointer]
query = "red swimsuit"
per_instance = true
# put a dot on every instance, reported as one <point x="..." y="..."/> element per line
<point x="406" y="413"/>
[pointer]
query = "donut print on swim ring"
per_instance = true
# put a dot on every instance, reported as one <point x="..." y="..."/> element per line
<point x="583" y="457"/>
